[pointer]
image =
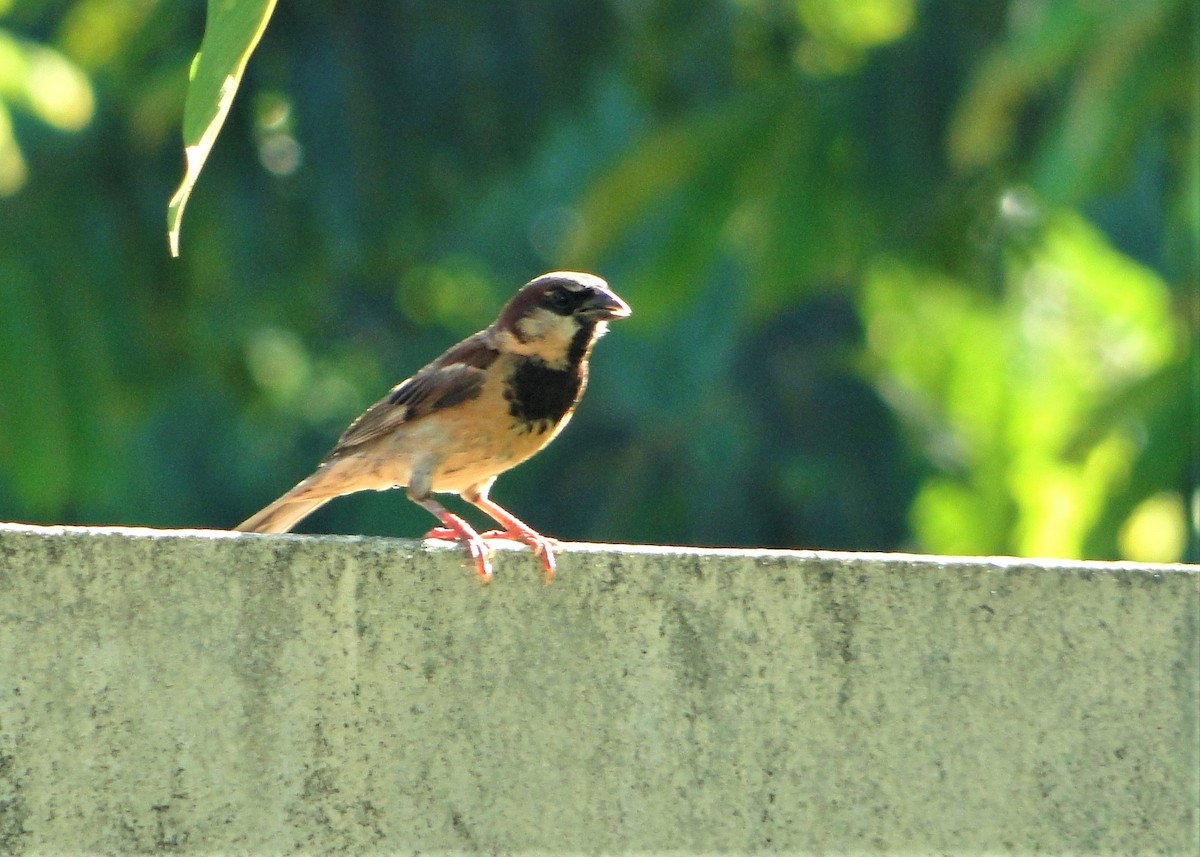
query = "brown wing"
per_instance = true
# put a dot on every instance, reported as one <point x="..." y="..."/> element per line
<point x="454" y="377"/>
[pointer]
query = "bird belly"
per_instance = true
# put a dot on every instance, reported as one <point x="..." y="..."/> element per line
<point x="482" y="454"/>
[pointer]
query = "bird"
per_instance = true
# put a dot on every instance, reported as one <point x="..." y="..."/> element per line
<point x="487" y="404"/>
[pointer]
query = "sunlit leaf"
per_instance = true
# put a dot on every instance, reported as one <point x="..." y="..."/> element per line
<point x="13" y="171"/>
<point x="42" y="81"/>
<point x="999" y="389"/>
<point x="1157" y="530"/>
<point x="841" y="31"/>
<point x="1128" y="405"/>
<point x="231" y="32"/>
<point x="1157" y="412"/>
<point x="94" y="32"/>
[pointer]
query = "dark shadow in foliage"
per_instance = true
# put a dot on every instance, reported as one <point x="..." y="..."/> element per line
<point x="832" y="470"/>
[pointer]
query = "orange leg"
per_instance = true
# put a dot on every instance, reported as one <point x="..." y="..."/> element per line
<point x="456" y="529"/>
<point x="517" y="530"/>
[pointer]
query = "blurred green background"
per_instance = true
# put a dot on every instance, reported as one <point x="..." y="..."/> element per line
<point x="905" y="275"/>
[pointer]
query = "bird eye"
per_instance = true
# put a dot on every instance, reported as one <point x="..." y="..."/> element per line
<point x="559" y="299"/>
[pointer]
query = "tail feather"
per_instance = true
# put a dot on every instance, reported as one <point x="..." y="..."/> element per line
<point x="282" y="515"/>
<point x="332" y="479"/>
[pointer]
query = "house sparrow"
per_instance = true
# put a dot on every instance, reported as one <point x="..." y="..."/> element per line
<point x="484" y="406"/>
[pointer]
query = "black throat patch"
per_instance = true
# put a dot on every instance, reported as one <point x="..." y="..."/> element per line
<point x="540" y="396"/>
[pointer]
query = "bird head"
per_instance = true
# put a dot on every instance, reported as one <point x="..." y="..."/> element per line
<point x="556" y="317"/>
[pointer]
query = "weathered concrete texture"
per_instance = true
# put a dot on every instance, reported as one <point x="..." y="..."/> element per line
<point x="214" y="693"/>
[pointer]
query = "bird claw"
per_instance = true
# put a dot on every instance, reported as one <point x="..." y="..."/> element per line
<point x="542" y="546"/>
<point x="479" y="552"/>
<point x="476" y="548"/>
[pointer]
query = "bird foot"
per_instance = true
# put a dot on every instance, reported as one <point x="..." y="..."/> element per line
<point x="476" y="548"/>
<point x="543" y="546"/>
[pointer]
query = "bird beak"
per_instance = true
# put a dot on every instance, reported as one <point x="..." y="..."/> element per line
<point x="604" y="305"/>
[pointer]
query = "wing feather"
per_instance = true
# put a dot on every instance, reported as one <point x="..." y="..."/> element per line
<point x="455" y="377"/>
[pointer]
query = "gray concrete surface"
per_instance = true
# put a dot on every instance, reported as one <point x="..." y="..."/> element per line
<point x="210" y="693"/>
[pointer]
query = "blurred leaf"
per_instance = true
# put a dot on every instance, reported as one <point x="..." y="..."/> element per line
<point x="941" y="356"/>
<point x="44" y="82"/>
<point x="1118" y="82"/>
<point x="95" y="32"/>
<point x="34" y="406"/>
<point x="670" y="159"/>
<point x="1157" y="530"/>
<point x="231" y="32"/>
<point x="1127" y="406"/>
<point x="767" y="178"/>
<point x="841" y="31"/>
<point x="1110" y="66"/>
<point x="41" y="81"/>
<point x="1044" y="39"/>
<point x="998" y="389"/>
<point x="13" y="170"/>
<point x="1159" y="413"/>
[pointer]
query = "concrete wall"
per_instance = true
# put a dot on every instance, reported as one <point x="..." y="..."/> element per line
<point x="207" y="693"/>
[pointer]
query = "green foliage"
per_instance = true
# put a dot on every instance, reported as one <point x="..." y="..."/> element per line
<point x="40" y="81"/>
<point x="230" y="35"/>
<point x="1000" y="386"/>
<point x="904" y="275"/>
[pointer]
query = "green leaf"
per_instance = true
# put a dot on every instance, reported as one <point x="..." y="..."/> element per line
<point x="231" y="31"/>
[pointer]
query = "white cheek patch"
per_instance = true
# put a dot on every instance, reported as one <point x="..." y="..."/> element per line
<point x="546" y="334"/>
<point x="532" y="326"/>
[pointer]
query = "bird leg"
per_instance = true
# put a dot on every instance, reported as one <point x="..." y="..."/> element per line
<point x="514" y="529"/>
<point x="456" y="529"/>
